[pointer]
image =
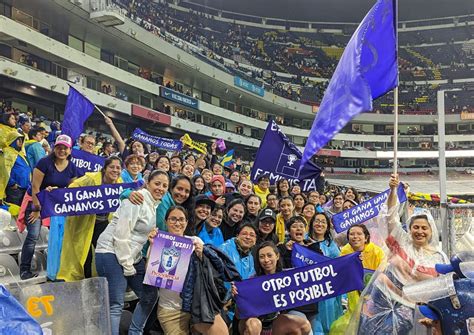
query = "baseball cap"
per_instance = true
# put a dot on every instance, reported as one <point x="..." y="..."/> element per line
<point x="203" y="199"/>
<point x="64" y="140"/>
<point x="267" y="213"/>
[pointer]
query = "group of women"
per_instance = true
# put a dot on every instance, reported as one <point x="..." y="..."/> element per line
<point x="241" y="227"/>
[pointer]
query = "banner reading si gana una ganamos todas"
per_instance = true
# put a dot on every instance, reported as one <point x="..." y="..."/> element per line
<point x="298" y="287"/>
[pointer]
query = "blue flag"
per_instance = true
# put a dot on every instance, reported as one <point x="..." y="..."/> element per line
<point x="228" y="158"/>
<point x="77" y="111"/>
<point x="298" y="287"/>
<point x="279" y="158"/>
<point x="367" y="70"/>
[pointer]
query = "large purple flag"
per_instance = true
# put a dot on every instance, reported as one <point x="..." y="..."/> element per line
<point x="77" y="111"/>
<point x="366" y="71"/>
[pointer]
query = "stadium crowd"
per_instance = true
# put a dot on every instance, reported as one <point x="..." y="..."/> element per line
<point x="239" y="229"/>
<point x="287" y="62"/>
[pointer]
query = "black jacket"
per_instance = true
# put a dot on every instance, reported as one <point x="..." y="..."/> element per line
<point x="209" y="293"/>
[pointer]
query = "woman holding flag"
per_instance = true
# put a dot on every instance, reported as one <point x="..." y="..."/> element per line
<point x="412" y="257"/>
<point x="82" y="232"/>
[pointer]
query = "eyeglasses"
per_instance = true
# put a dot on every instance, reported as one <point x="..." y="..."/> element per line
<point x="245" y="234"/>
<point x="175" y="220"/>
<point x="89" y="143"/>
<point x="320" y="221"/>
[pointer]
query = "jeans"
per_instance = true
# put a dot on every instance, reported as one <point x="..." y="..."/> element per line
<point x="28" y="248"/>
<point x="108" y="267"/>
<point x="143" y="309"/>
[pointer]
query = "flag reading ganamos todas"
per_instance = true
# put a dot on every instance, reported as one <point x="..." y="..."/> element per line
<point x="298" y="287"/>
<point x="82" y="200"/>
<point x="364" y="211"/>
<point x="168" y="262"/>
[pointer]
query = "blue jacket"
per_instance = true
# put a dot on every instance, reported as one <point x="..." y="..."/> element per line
<point x="161" y="210"/>
<point x="34" y="152"/>
<point x="244" y="265"/>
<point x="20" y="173"/>
<point x="214" y="237"/>
<point x="222" y="264"/>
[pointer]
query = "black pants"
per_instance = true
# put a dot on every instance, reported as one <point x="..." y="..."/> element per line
<point x="15" y="195"/>
<point x="99" y="228"/>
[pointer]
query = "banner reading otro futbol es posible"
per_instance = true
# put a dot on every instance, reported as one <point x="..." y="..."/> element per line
<point x="298" y="287"/>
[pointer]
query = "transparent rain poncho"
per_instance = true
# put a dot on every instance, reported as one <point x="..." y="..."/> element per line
<point x="382" y="309"/>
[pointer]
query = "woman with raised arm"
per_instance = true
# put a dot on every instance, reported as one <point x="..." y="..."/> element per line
<point x="411" y="257"/>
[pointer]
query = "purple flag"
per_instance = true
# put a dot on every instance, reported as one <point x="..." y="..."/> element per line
<point x="169" y="261"/>
<point x="77" y="111"/>
<point x="302" y="256"/>
<point x="298" y="287"/>
<point x="279" y="158"/>
<point x="366" y="71"/>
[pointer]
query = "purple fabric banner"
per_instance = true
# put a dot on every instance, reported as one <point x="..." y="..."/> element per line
<point x="302" y="256"/>
<point x="82" y="200"/>
<point x="298" y="287"/>
<point x="364" y="211"/>
<point x="86" y="162"/>
<point x="279" y="158"/>
<point x="168" y="262"/>
<point x="367" y="70"/>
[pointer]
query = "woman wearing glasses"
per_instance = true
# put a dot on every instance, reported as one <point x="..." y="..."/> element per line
<point x="118" y="252"/>
<point x="330" y="309"/>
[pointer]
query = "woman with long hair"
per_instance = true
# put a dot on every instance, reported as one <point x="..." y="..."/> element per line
<point x="82" y="232"/>
<point x="119" y="248"/>
<point x="233" y="217"/>
<point x="268" y="262"/>
<point x="283" y="188"/>
<point x="329" y="310"/>
<point x="286" y="212"/>
<point x="199" y="184"/>
<point x="253" y="204"/>
<point x="298" y="201"/>
<point x="53" y="171"/>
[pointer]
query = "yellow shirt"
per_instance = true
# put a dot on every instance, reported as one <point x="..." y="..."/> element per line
<point x="261" y="194"/>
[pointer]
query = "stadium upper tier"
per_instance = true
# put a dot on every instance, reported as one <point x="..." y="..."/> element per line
<point x="126" y="67"/>
<point x="296" y="61"/>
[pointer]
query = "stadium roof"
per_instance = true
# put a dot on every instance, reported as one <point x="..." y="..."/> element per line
<point x="339" y="10"/>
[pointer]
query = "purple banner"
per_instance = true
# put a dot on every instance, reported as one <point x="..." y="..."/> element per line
<point x="82" y="200"/>
<point x="364" y="211"/>
<point x="298" y="287"/>
<point x="302" y="256"/>
<point x="86" y="162"/>
<point x="279" y="158"/>
<point x="168" y="262"/>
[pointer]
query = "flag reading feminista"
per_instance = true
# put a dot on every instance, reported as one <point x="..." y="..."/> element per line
<point x="168" y="262"/>
<point x="364" y="211"/>
<point x="86" y="162"/>
<point x="82" y="200"/>
<point x="298" y="287"/>
<point x="158" y="142"/>
<point x="279" y="158"/>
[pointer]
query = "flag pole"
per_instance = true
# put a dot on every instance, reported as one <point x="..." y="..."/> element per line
<point x="395" y="98"/>
<point x="100" y="111"/>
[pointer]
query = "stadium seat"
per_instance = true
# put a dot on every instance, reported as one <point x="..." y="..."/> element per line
<point x="10" y="243"/>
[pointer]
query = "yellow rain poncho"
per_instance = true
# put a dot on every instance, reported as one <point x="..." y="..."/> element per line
<point x="7" y="159"/>
<point x="77" y="239"/>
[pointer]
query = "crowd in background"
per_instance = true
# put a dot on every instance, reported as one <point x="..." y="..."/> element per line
<point x="239" y="228"/>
